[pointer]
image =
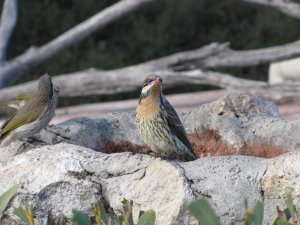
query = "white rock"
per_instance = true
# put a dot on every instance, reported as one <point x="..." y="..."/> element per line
<point x="64" y="176"/>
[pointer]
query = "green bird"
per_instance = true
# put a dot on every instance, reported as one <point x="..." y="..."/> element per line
<point x="17" y="103"/>
<point x="34" y="115"/>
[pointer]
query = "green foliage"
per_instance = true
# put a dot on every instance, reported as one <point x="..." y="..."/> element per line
<point x="255" y="215"/>
<point x="200" y="209"/>
<point x="127" y="212"/>
<point x="79" y="218"/>
<point x="290" y="205"/>
<point x="203" y="212"/>
<point x="289" y="216"/>
<point x="100" y="214"/>
<point x="147" y="218"/>
<point x="25" y="214"/>
<point x="7" y="196"/>
<point x="205" y="215"/>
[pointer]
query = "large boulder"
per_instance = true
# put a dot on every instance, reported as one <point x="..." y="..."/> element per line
<point x="64" y="176"/>
<point x="237" y="124"/>
<point x="75" y="168"/>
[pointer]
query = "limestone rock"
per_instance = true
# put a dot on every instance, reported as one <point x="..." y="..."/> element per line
<point x="70" y="174"/>
<point x="241" y="124"/>
<point x="64" y="176"/>
<point x="237" y="124"/>
<point x="106" y="134"/>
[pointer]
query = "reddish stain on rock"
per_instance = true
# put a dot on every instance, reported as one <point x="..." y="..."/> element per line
<point x="210" y="143"/>
<point x="125" y="146"/>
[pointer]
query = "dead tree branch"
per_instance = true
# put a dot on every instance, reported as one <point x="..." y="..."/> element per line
<point x="277" y="92"/>
<point x="95" y="82"/>
<point x="235" y="58"/>
<point x="15" y="68"/>
<point x="179" y="68"/>
<point x="287" y="7"/>
<point x="8" y="21"/>
<point x="98" y="82"/>
<point x="182" y="102"/>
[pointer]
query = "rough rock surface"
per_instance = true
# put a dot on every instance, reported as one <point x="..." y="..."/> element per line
<point x="240" y="124"/>
<point x="64" y="176"/>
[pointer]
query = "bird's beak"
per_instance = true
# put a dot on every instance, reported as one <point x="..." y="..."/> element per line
<point x="157" y="81"/>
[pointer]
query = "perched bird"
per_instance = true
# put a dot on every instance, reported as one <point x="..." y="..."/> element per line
<point x="159" y="124"/>
<point x="34" y="115"/>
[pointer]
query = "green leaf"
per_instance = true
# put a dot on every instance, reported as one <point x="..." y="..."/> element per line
<point x="7" y="196"/>
<point x="79" y="218"/>
<point x="100" y="214"/>
<point x="113" y="222"/>
<point x="120" y="220"/>
<point x="141" y="213"/>
<point x="127" y="212"/>
<point x="21" y="213"/>
<point x="203" y="212"/>
<point x="287" y="214"/>
<point x="275" y="222"/>
<point x="280" y="222"/>
<point x="25" y="215"/>
<point x="256" y="215"/>
<point x="290" y="205"/>
<point x="148" y="218"/>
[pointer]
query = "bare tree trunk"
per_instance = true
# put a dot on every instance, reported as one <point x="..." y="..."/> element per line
<point x="8" y="21"/>
<point x="14" y="69"/>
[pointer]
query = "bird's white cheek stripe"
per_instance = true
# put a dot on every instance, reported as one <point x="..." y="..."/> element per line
<point x="146" y="89"/>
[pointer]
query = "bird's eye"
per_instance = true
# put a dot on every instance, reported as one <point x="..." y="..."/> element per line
<point x="147" y="82"/>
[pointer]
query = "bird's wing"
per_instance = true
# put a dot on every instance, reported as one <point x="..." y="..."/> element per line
<point x="6" y="122"/>
<point x="20" y="118"/>
<point x="7" y="105"/>
<point x="175" y="124"/>
<point x="24" y="97"/>
<point x="16" y="104"/>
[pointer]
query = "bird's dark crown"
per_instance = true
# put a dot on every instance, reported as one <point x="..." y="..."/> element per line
<point x="151" y="78"/>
